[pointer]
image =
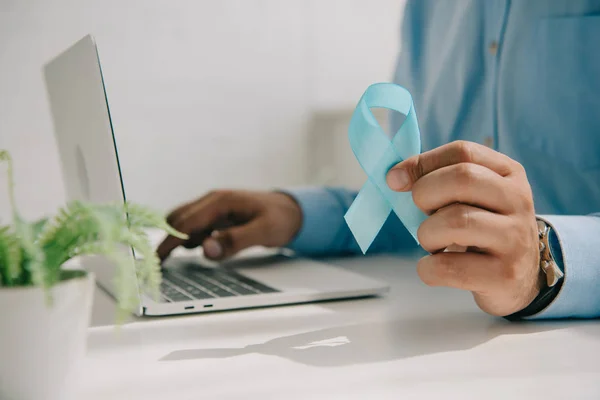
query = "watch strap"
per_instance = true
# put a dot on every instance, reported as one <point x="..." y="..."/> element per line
<point x="543" y="300"/>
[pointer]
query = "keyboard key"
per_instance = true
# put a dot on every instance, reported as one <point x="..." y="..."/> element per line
<point x="230" y="279"/>
<point x="256" y="285"/>
<point x="204" y="283"/>
<point x="199" y="294"/>
<point x="235" y="285"/>
<point x="179" y="297"/>
<point x="195" y="287"/>
<point x="168" y="290"/>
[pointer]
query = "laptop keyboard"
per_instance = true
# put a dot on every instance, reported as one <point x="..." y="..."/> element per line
<point x="206" y="283"/>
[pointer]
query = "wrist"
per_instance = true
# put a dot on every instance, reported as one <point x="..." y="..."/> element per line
<point x="550" y="273"/>
<point x="293" y="215"/>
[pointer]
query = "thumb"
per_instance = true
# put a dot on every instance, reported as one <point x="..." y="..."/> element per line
<point x="402" y="176"/>
<point x="225" y="243"/>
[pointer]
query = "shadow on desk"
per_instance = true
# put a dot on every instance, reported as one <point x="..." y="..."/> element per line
<point x="378" y="342"/>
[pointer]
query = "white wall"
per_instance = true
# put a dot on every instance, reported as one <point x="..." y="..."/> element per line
<point x="203" y="94"/>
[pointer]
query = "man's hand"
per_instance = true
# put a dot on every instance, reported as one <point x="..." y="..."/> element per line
<point x="478" y="199"/>
<point x="225" y="222"/>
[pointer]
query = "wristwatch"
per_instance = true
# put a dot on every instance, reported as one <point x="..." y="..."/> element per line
<point x="551" y="265"/>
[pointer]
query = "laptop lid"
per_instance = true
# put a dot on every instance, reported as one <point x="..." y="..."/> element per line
<point x="83" y="126"/>
<point x="85" y="137"/>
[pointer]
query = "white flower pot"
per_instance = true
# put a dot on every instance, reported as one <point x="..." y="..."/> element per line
<point x="41" y="345"/>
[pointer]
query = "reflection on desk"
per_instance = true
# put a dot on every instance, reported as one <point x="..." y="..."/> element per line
<point x="415" y="342"/>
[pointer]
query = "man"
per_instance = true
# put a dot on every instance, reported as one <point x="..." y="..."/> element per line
<point x="508" y="99"/>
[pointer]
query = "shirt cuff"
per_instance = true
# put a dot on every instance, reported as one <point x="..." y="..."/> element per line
<point x="579" y="296"/>
<point x="322" y="220"/>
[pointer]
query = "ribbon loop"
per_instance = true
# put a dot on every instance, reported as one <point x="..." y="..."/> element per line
<point x="377" y="153"/>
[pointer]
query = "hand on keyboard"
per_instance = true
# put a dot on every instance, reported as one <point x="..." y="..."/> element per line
<point x="225" y="222"/>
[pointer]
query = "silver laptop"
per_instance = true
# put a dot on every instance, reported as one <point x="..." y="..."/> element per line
<point x="91" y="171"/>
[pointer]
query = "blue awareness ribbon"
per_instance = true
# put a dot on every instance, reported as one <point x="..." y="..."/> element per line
<point x="377" y="153"/>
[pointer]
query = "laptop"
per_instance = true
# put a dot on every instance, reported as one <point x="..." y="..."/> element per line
<point x="90" y="165"/>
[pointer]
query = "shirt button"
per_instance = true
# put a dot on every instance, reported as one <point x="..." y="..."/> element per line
<point x="493" y="48"/>
<point x="489" y="142"/>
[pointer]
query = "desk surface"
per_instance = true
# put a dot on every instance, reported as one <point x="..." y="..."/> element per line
<point x="415" y="342"/>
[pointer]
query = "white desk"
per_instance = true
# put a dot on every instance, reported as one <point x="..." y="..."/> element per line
<point x="417" y="342"/>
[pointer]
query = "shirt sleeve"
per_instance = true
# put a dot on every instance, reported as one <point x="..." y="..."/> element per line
<point x="324" y="230"/>
<point x="576" y="245"/>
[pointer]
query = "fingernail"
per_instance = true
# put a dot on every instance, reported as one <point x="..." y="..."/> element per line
<point x="212" y="248"/>
<point x="397" y="179"/>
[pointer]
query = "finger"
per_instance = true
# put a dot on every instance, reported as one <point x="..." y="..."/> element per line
<point x="402" y="176"/>
<point x="475" y="272"/>
<point x="466" y="226"/>
<point x="225" y="243"/>
<point x="177" y="212"/>
<point x="198" y="222"/>
<point x="187" y="210"/>
<point x="464" y="183"/>
<point x="195" y="239"/>
<point x="202" y="216"/>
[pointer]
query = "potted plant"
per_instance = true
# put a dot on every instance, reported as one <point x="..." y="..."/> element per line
<point x="45" y="305"/>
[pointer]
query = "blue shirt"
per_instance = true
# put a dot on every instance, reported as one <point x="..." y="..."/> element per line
<point x="523" y="77"/>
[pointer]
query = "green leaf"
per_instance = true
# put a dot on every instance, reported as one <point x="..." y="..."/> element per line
<point x="34" y="259"/>
<point x="10" y="258"/>
<point x="5" y="157"/>
<point x="38" y="227"/>
<point x="144" y="217"/>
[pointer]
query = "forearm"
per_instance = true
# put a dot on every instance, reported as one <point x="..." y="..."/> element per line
<point x="324" y="231"/>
